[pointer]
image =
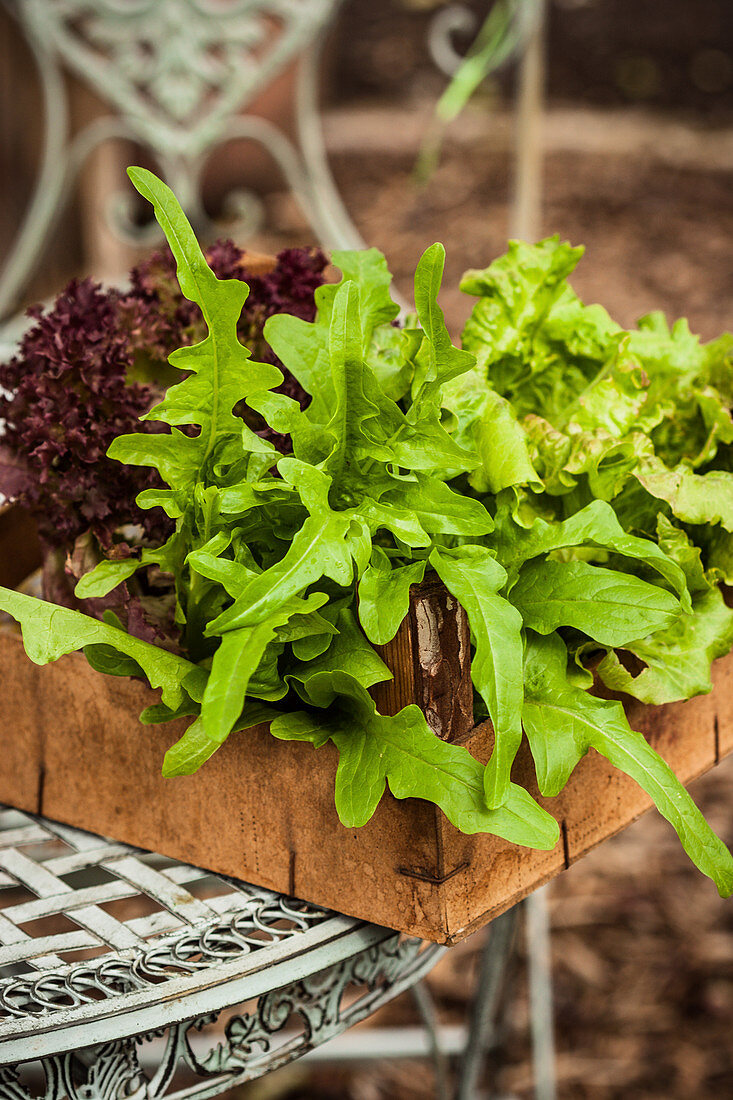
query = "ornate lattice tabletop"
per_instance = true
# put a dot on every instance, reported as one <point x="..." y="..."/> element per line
<point x="112" y="959"/>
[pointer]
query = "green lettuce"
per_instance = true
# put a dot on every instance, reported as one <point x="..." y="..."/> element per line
<point x="568" y="482"/>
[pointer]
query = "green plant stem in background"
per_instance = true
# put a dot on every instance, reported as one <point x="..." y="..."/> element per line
<point x="502" y="32"/>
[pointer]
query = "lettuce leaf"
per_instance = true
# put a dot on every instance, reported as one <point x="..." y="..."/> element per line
<point x="474" y="577"/>
<point x="50" y="632"/>
<point x="403" y="751"/>
<point x="563" y="722"/>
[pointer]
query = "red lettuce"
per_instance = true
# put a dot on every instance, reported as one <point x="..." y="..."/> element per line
<point x="94" y="363"/>
<point x="67" y="396"/>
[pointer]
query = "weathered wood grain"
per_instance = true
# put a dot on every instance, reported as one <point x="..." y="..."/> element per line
<point x="430" y="658"/>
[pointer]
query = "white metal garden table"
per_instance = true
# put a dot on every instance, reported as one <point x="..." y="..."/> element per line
<point x="105" y="948"/>
<point x="127" y="974"/>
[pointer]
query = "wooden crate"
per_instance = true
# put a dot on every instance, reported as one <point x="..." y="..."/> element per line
<point x="262" y="810"/>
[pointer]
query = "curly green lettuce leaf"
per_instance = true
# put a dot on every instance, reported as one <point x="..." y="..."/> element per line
<point x="616" y="400"/>
<point x="694" y="498"/>
<point x="402" y="751"/>
<point x="50" y="631"/>
<point x="535" y="342"/>
<point x="612" y="608"/>
<point x="502" y="447"/>
<point x="474" y="577"/>
<point x="609" y="463"/>
<point x="685" y="379"/>
<point x="516" y="293"/>
<point x="563" y="722"/>
<point x="222" y="372"/>
<point x="561" y="458"/>
<point x="384" y="595"/>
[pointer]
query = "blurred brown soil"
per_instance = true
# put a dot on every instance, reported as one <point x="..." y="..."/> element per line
<point x="657" y="234"/>
<point x="654" y="211"/>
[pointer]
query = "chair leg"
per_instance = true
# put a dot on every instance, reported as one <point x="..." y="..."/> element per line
<point x="482" y="1027"/>
<point x="426" y="1007"/>
<point x="539" y="965"/>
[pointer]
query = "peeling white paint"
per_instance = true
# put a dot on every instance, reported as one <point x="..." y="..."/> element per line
<point x="428" y="621"/>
